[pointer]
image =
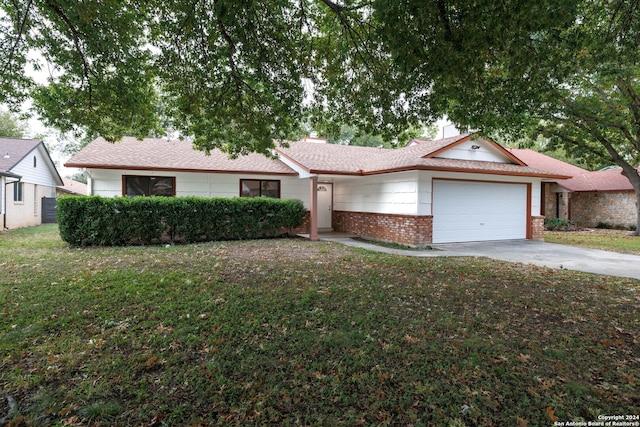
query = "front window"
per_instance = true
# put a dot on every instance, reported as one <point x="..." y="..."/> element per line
<point x="149" y="185"/>
<point x="260" y="188"/>
<point x="18" y="195"/>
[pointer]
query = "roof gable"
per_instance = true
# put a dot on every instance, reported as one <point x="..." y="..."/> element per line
<point x="469" y="147"/>
<point x="13" y="151"/>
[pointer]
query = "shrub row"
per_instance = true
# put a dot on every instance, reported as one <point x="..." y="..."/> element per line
<point x="99" y="221"/>
<point x="559" y="224"/>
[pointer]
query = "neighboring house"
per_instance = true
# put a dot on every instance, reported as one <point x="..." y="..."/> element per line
<point x="587" y="198"/>
<point x="71" y="187"/>
<point x="456" y="189"/>
<point x="28" y="178"/>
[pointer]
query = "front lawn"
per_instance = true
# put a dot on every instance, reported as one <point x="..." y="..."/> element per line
<point x="293" y="332"/>
<point x="607" y="240"/>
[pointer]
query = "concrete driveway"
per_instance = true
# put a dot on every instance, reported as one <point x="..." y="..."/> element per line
<point x="525" y="251"/>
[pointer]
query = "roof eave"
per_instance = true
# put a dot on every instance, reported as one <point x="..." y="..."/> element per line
<point x="10" y="174"/>
<point x="162" y="169"/>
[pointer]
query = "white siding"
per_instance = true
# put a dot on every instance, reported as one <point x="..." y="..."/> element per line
<point x="395" y="193"/>
<point x="486" y="153"/>
<point x="41" y="174"/>
<point x="108" y="183"/>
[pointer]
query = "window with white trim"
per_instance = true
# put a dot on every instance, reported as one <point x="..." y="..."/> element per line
<point x="260" y="188"/>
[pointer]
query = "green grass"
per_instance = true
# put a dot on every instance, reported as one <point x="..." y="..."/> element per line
<point x="616" y="241"/>
<point x="293" y="332"/>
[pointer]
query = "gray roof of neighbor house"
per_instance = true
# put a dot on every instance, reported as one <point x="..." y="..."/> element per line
<point x="14" y="150"/>
<point x="160" y="154"/>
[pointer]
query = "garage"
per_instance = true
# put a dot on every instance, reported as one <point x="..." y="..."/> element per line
<point x="467" y="211"/>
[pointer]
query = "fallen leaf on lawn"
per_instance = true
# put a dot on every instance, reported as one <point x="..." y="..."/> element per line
<point x="523" y="358"/>
<point x="412" y="340"/>
<point x="551" y="415"/>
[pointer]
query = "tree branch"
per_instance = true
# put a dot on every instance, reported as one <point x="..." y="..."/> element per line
<point x="357" y="39"/>
<point x="235" y="74"/>
<point x="634" y="105"/>
<point x="77" y="43"/>
<point x="15" y="45"/>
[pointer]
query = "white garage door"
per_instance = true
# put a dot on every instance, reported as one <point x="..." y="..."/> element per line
<point x="475" y="211"/>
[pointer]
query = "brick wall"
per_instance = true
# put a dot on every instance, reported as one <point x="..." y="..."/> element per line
<point x="304" y="228"/>
<point x="537" y="228"/>
<point x="612" y="207"/>
<point x="409" y="230"/>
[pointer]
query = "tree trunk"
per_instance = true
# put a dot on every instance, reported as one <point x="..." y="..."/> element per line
<point x="635" y="183"/>
<point x="637" y="230"/>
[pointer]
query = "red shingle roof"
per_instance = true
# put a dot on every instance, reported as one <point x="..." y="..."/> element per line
<point x="73" y="187"/>
<point x="160" y="154"/>
<point x="350" y="160"/>
<point x="316" y="158"/>
<point x="581" y="179"/>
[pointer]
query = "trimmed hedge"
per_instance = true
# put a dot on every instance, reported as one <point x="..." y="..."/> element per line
<point x="99" y="221"/>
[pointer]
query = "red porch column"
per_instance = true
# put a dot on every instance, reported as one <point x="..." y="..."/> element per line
<point x="313" y="214"/>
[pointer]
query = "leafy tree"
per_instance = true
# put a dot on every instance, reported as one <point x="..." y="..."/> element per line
<point x="594" y="114"/>
<point x="351" y="135"/>
<point x="11" y="126"/>
<point x="238" y="75"/>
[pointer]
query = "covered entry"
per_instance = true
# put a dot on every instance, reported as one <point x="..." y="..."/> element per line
<point x="469" y="211"/>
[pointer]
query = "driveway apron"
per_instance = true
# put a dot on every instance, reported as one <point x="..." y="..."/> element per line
<point x="524" y="251"/>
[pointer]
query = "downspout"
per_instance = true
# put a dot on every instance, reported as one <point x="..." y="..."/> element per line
<point x="4" y="200"/>
<point x="313" y="220"/>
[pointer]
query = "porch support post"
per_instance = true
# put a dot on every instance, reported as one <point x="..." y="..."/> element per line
<point x="313" y="214"/>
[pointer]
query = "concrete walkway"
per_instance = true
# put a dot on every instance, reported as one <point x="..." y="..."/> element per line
<point x="525" y="251"/>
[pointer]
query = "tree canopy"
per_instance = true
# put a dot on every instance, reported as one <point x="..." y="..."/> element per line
<point x="237" y="75"/>
<point x="11" y="126"/>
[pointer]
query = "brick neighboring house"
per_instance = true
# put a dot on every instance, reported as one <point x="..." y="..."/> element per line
<point x="588" y="198"/>
<point x="28" y="176"/>
<point x="462" y="188"/>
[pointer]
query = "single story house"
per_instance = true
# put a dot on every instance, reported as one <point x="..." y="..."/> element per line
<point x="28" y="179"/>
<point x="462" y="188"/>
<point x="588" y="198"/>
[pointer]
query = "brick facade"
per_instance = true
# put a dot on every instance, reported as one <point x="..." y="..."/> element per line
<point x="588" y="208"/>
<point x="410" y="230"/>
<point x="537" y="228"/>
<point x="611" y="207"/>
<point x="304" y="228"/>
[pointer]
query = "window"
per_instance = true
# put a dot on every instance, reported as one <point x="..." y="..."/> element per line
<point x="17" y="191"/>
<point x="260" y="188"/>
<point x="149" y="185"/>
<point x="35" y="161"/>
